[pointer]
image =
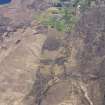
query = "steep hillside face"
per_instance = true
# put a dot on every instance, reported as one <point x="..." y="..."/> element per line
<point x="71" y="70"/>
<point x="89" y="43"/>
<point x="55" y="68"/>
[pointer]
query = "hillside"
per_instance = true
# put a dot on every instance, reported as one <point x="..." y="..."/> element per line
<point x="52" y="52"/>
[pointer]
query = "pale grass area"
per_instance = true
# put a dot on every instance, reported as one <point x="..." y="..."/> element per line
<point x="18" y="65"/>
